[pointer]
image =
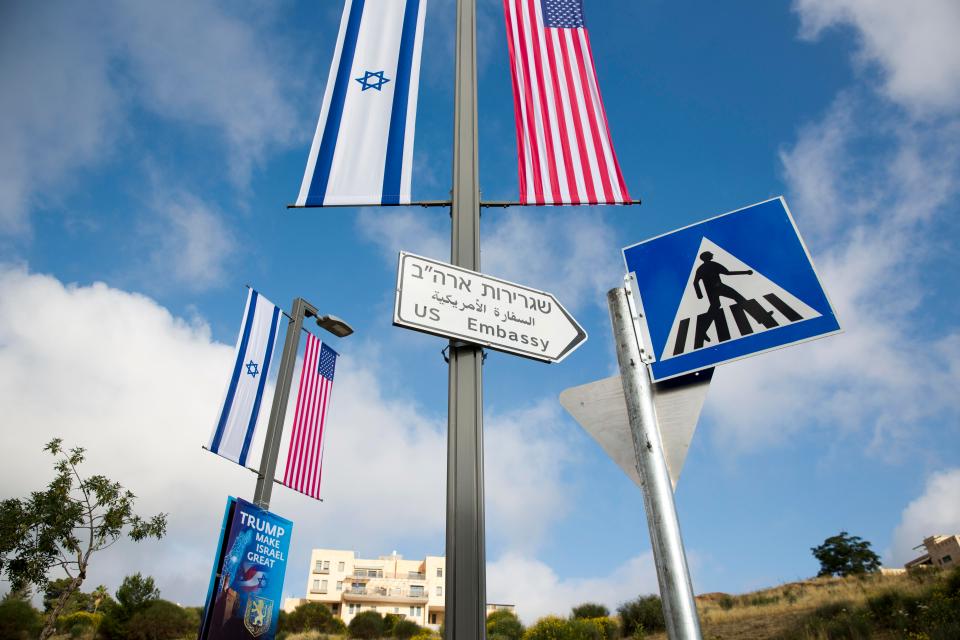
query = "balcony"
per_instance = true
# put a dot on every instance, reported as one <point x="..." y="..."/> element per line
<point x="413" y="575"/>
<point x="383" y="594"/>
<point x="323" y="570"/>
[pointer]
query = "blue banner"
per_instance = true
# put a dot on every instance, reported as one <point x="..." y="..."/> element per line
<point x="243" y="600"/>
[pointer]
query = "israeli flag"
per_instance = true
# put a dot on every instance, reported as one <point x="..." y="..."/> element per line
<point x="234" y="429"/>
<point x="362" y="152"/>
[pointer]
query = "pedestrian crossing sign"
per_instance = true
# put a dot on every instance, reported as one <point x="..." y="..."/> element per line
<point x="726" y="288"/>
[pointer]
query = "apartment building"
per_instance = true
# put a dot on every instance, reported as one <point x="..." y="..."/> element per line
<point x="388" y="584"/>
<point x="942" y="551"/>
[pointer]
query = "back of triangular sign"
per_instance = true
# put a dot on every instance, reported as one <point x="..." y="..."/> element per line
<point x="601" y="410"/>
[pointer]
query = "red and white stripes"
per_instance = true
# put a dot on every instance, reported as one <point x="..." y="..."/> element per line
<point x="305" y="456"/>
<point x="565" y="152"/>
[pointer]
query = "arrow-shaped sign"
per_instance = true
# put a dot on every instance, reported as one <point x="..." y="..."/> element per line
<point x="601" y="410"/>
<point x="453" y="302"/>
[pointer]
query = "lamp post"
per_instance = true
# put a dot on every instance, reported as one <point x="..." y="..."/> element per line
<point x="271" y="447"/>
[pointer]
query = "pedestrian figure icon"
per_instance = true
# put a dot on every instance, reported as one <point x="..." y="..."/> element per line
<point x="714" y="311"/>
<point x="709" y="274"/>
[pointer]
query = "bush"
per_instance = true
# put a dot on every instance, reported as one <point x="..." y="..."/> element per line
<point x="404" y="629"/>
<point x="79" y="622"/>
<point x="366" y="625"/>
<point x="549" y="628"/>
<point x="160" y="620"/>
<point x="18" y="619"/>
<point x="642" y="614"/>
<point x="505" y="624"/>
<point x="309" y="616"/>
<point x="589" y="610"/>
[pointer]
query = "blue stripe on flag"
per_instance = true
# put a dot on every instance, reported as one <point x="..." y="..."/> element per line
<point x="232" y="389"/>
<point x="328" y="143"/>
<point x="393" y="170"/>
<point x="263" y="382"/>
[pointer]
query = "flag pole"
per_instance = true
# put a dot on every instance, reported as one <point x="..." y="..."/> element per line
<point x="466" y="593"/>
<point x="278" y="411"/>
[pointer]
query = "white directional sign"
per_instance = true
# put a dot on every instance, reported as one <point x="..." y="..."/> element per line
<point x="439" y="298"/>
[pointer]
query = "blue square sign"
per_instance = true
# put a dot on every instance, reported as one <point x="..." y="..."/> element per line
<point x="726" y="288"/>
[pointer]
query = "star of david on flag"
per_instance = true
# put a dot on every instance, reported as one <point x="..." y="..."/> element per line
<point x="362" y="151"/>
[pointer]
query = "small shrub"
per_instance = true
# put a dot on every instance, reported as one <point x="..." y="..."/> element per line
<point x="764" y="601"/>
<point x="18" y="619"/>
<point x="549" y="628"/>
<point x="404" y="629"/>
<point x="644" y="613"/>
<point x="160" y="620"/>
<point x="366" y="625"/>
<point x="589" y="610"/>
<point x="505" y="624"/>
<point x="726" y="602"/>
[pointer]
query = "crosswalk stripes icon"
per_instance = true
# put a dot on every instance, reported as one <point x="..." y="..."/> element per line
<point x="726" y="299"/>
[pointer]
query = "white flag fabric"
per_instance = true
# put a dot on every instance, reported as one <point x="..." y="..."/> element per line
<point x="362" y="152"/>
<point x="234" y="429"/>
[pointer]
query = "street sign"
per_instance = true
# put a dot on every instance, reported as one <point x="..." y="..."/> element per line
<point x="601" y="410"/>
<point x="445" y="300"/>
<point x="730" y="287"/>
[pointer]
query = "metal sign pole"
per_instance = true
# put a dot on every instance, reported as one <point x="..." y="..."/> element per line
<point x="278" y="411"/>
<point x="676" y="591"/>
<point x="466" y="593"/>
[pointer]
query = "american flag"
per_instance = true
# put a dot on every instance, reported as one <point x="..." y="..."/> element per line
<point x="305" y="457"/>
<point x="564" y="147"/>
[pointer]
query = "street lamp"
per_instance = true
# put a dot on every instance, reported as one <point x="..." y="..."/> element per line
<point x="271" y="448"/>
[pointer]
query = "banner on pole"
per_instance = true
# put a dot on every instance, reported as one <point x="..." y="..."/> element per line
<point x="246" y="584"/>
<point x="233" y="432"/>
<point x="305" y="455"/>
<point x="564" y="148"/>
<point x="362" y="152"/>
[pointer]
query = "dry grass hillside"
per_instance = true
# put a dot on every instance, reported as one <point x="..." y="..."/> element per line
<point x="787" y="611"/>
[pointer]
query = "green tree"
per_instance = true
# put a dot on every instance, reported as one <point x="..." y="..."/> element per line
<point x="136" y="591"/>
<point x="505" y="624"/>
<point x="18" y="619"/>
<point x="366" y="625"/>
<point x="644" y="613"/>
<point x="589" y="610"/>
<point x="844" y="555"/>
<point x="76" y="601"/>
<point x="64" y="525"/>
<point x="161" y="620"/>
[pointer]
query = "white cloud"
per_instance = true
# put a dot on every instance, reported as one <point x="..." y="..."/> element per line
<point x="117" y="373"/>
<point x="190" y="243"/>
<point x="566" y="254"/>
<point x="72" y="76"/>
<point x="914" y="43"/>
<point x="936" y="512"/>
<point x="538" y="591"/>
<point x="872" y="216"/>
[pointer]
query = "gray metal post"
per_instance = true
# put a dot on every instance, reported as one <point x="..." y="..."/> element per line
<point x="466" y="591"/>
<point x="676" y="591"/>
<point x="271" y="447"/>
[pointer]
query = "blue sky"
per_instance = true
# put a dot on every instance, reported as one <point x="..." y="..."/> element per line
<point x="147" y="153"/>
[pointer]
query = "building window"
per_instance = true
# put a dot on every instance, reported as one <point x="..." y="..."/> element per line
<point x="433" y="618"/>
<point x="411" y="611"/>
<point x="396" y="609"/>
<point x="316" y="585"/>
<point x="340" y="567"/>
<point x="326" y="565"/>
<point x="946" y="560"/>
<point x="318" y="566"/>
<point x="439" y="572"/>
<point x="439" y="591"/>
<point x="339" y="585"/>
<point x="323" y="586"/>
<point x="350" y="608"/>
<point x="416" y="591"/>
<point x="419" y="611"/>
